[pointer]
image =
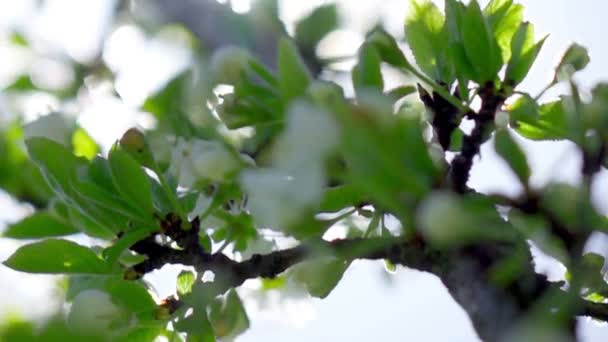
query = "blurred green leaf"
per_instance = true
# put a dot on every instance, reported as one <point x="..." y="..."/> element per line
<point x="448" y="220"/>
<point x="39" y="225"/>
<point x="320" y="277"/>
<point x="367" y="73"/>
<point x="511" y="152"/>
<point x="227" y="316"/>
<point x="294" y="77"/>
<point x="387" y="48"/>
<point x="574" y="59"/>
<point x="340" y="197"/>
<point x="57" y="256"/>
<point x="386" y="156"/>
<point x="523" y="53"/>
<point x="547" y="121"/>
<point x="310" y="30"/>
<point x="132" y="296"/>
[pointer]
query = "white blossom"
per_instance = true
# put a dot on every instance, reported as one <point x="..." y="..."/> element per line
<point x="309" y="135"/>
<point x="279" y="195"/>
<point x="92" y="311"/>
<point x="198" y="159"/>
<point x="228" y="64"/>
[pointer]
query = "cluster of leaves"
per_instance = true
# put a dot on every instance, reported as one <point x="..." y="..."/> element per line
<point x="190" y="188"/>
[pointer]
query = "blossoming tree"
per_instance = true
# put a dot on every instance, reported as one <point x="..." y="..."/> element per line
<point x="244" y="183"/>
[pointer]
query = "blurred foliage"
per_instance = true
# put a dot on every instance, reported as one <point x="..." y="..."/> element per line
<point x="241" y="147"/>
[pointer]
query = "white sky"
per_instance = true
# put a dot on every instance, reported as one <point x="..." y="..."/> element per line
<point x="365" y="306"/>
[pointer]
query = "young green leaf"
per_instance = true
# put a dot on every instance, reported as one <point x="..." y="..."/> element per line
<point x="57" y="163"/>
<point x="57" y="256"/>
<point x="39" y="225"/>
<point x="523" y="53"/>
<point x="340" y="197"/>
<point x="548" y="121"/>
<point x="575" y="59"/>
<point x="185" y="281"/>
<point x="504" y="18"/>
<point x="131" y="180"/>
<point x="132" y="296"/>
<point x="387" y="156"/>
<point x="507" y="148"/>
<point x="294" y="77"/>
<point x="426" y="33"/>
<point x="83" y="145"/>
<point x="321" y="277"/>
<point x="455" y="16"/>
<point x="387" y="48"/>
<point x="113" y="253"/>
<point x="367" y="73"/>
<point x="448" y="220"/>
<point x="227" y="316"/>
<point x="480" y="45"/>
<point x="310" y="30"/>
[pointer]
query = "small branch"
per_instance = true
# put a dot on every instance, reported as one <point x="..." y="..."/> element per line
<point x="598" y="311"/>
<point x="462" y="163"/>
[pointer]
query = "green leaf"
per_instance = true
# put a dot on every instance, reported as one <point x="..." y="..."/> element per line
<point x="83" y="145"/>
<point x="523" y="53"/>
<point x="227" y="316"/>
<point x="340" y="197"/>
<point x="455" y="16"/>
<point x="39" y="225"/>
<point x="320" y="277"/>
<point x="548" y="121"/>
<point x="387" y="156"/>
<point x="367" y="73"/>
<point x="131" y="180"/>
<point x="400" y="92"/>
<point x="504" y="18"/>
<point x="57" y="163"/>
<point x="536" y="229"/>
<point x="310" y="30"/>
<point x="196" y="326"/>
<point x="294" y="77"/>
<point x="57" y="256"/>
<point x="480" y="45"/>
<point x="448" y="220"/>
<point x="509" y="150"/>
<point x="133" y="296"/>
<point x="185" y="281"/>
<point x="387" y="48"/>
<point x="113" y="253"/>
<point x="427" y="35"/>
<point x="574" y="59"/>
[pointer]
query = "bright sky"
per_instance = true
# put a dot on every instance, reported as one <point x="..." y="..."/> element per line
<point x="369" y="304"/>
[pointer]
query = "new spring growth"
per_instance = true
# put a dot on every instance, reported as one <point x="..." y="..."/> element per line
<point x="134" y="142"/>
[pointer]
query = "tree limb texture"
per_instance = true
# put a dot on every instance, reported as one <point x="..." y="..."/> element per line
<point x="493" y="308"/>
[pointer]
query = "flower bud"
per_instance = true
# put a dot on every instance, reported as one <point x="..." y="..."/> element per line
<point x="134" y="142"/>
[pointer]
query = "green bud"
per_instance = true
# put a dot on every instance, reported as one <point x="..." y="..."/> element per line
<point x="134" y="143"/>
